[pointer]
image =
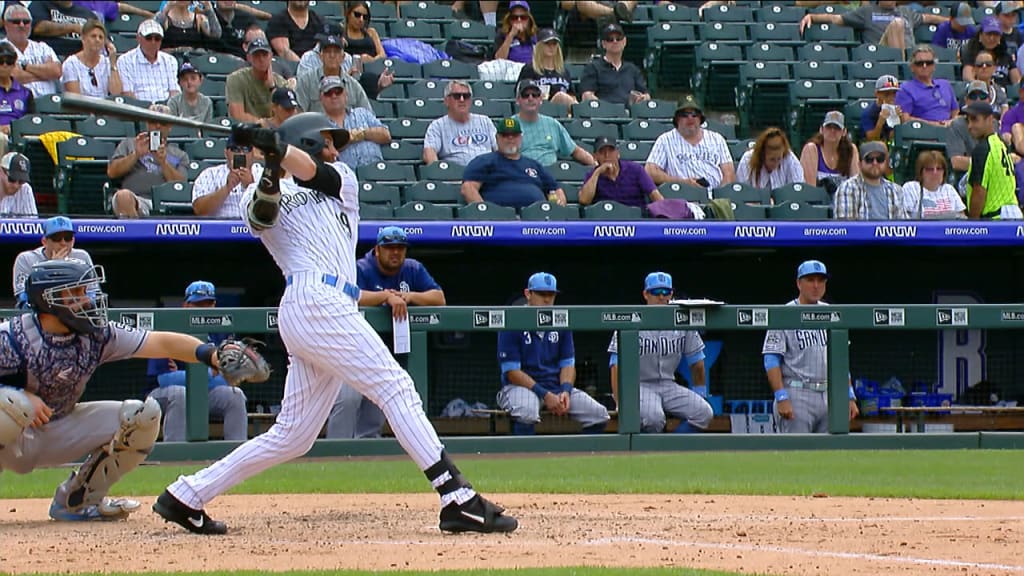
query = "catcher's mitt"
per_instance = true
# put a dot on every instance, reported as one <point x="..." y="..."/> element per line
<point x="240" y="362"/>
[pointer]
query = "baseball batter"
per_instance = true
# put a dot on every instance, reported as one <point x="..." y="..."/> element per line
<point x="662" y="354"/>
<point x="305" y="210"/>
<point x="58" y="242"/>
<point x="797" y="362"/>
<point x="46" y="358"/>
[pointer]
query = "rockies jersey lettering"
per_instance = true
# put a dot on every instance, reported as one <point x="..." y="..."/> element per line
<point x="804" y="352"/>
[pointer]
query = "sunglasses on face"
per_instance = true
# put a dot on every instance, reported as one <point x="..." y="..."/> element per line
<point x="660" y="292"/>
<point x="8" y="61"/>
<point x="615" y="39"/>
<point x="460" y="95"/>
<point x="689" y="114"/>
<point x="61" y="237"/>
<point x="361" y="15"/>
<point x="977" y="96"/>
<point x="392" y="239"/>
<point x="924" y="63"/>
<point x="154" y="38"/>
<point x="530" y="94"/>
<point x="19" y="22"/>
<point x="334" y="92"/>
<point x="240" y="149"/>
<point x="520" y="17"/>
<point x="875" y="159"/>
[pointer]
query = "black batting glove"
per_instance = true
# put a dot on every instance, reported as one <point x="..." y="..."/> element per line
<point x="243" y="134"/>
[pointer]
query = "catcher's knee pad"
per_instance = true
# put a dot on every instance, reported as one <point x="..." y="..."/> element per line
<point x="131" y="444"/>
<point x="16" y="414"/>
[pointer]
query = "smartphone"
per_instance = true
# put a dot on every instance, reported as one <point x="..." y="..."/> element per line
<point x="154" y="140"/>
<point x="237" y="161"/>
<point x="703" y="182"/>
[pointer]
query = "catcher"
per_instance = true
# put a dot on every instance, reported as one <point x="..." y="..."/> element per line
<point x="46" y="358"/>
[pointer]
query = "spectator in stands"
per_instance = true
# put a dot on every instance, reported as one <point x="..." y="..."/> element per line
<point x="830" y="157"/>
<point x="984" y="67"/>
<point x="58" y="23"/>
<point x="58" y="243"/>
<point x="691" y="154"/>
<point x="279" y="66"/>
<point x="147" y="73"/>
<point x="460" y="135"/>
<point x="609" y="77"/>
<point x="960" y="144"/>
<point x="190" y="103"/>
<point x="544" y="138"/>
<point x="602" y="11"/>
<point x="517" y="36"/>
<point x="311" y="59"/>
<point x="616" y="179"/>
<point x="1012" y="127"/>
<point x="248" y="89"/>
<point x="488" y="10"/>
<point x="385" y="278"/>
<point x="883" y="23"/>
<point x="367" y="134"/>
<point x="869" y="195"/>
<point x="218" y="189"/>
<point x="92" y="70"/>
<point x="771" y="163"/>
<point x="879" y="120"/>
<point x="107" y="11"/>
<point x="361" y="39"/>
<point x="958" y="29"/>
<point x="548" y="69"/>
<point x="293" y="30"/>
<point x="924" y="97"/>
<point x="990" y="38"/>
<point x="1008" y="24"/>
<point x="283" y="105"/>
<point x="307" y="85"/>
<point x="538" y="369"/>
<point x="187" y="26"/>
<point x="233" y="22"/>
<point x="168" y="381"/>
<point x="141" y="168"/>
<point x="508" y="178"/>
<point x="38" y="66"/>
<point x="17" y="200"/>
<point x="929" y="196"/>
<point x="15" y="99"/>
<point x="991" y="186"/>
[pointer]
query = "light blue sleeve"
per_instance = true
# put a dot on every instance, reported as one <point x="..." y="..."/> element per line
<point x="772" y="361"/>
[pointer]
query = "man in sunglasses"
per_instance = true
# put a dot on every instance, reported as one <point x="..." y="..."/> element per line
<point x="924" y="97"/>
<point x="15" y="99"/>
<point x="147" y="73"/>
<point x="960" y="144"/>
<point x="38" y="68"/>
<point x="689" y="153"/>
<point x="16" y="197"/>
<point x="610" y="78"/>
<point x="544" y="138"/>
<point x="869" y="195"/>
<point x="662" y="355"/>
<point x="331" y="57"/>
<point x="58" y="244"/>
<point x="219" y="189"/>
<point x="991" y="182"/>
<point x="460" y="135"/>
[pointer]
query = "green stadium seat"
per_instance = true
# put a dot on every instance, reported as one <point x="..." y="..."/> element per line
<point x="123" y="43"/>
<point x="809" y="100"/>
<point x="450" y="69"/>
<point x="79" y="176"/>
<point x="553" y="109"/>
<point x="375" y="193"/>
<point x="741" y="193"/>
<point x="571" y="191"/>
<point x="601" y="110"/>
<point x="729" y="13"/>
<point x="541" y="211"/>
<point x="173" y="198"/>
<point x="652" y="110"/>
<point x="635" y="151"/>
<point x="718" y="73"/>
<point x="383" y="110"/>
<point x="442" y="171"/>
<point x="738" y="148"/>
<point x="125" y="24"/>
<point x="470" y="31"/>
<point x="206" y="148"/>
<point x="328" y="10"/>
<point x="402" y="152"/>
<point x="192" y="170"/>
<point x="723" y="32"/>
<point x="814" y="70"/>
<point x="420" y="108"/>
<point x="645" y="130"/>
<point x="748" y="212"/>
<point x="492" y="90"/>
<point x="376" y="211"/>
<point x="909" y="140"/>
<point x="212" y="87"/>
<point x="441" y="193"/>
<point x="427" y="32"/>
<point x="780" y="34"/>
<point x="130" y="100"/>
<point x="611" y="210"/>
<point x="217" y="64"/>
<point x="405" y="72"/>
<point x="397" y="174"/>
<point x="586" y="129"/>
<point x="875" y="53"/>
<point x="108" y="129"/>
<point x="423" y="211"/>
<point x="396" y="92"/>
<point x="840" y="35"/>
<point x="34" y="125"/>
<point x="829" y="9"/>
<point x="870" y="71"/>
<point x="408" y="129"/>
<point x="680" y="191"/>
<point x="568" y="171"/>
<point x="728" y="131"/>
<point x="980" y="13"/>
<point x="853" y="112"/>
<point x="821" y="52"/>
<point x="778" y="13"/>
<point x="761" y="52"/>
<point x="923" y="34"/>
<point x="384" y="12"/>
<point x="799" y="211"/>
<point x="944" y="54"/>
<point x="671" y="54"/>
<point x="492" y="108"/>
<point x="428" y="11"/>
<point x="800" y="192"/>
<point x="485" y="211"/>
<point x="858" y="89"/>
<point x="427" y="89"/>
<point x="763" y="94"/>
<point x="671" y="12"/>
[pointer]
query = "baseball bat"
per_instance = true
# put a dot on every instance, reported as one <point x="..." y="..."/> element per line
<point x="110" y="108"/>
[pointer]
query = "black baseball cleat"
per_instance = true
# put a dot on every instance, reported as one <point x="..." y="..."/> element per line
<point x="172" y="510"/>
<point x="476" y="515"/>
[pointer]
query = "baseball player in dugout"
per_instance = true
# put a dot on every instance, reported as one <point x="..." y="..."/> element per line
<point x="797" y="362"/>
<point x="58" y="243"/>
<point x="385" y="277"/>
<point x="662" y="354"/>
<point x="305" y="210"/>
<point x="47" y="356"/>
<point x="538" y="369"/>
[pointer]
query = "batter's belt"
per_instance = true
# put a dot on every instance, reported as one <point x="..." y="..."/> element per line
<point x="330" y="279"/>
<point x="813" y="386"/>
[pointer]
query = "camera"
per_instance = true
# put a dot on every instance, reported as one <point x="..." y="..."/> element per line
<point x="237" y="161"/>
<point x="154" y="140"/>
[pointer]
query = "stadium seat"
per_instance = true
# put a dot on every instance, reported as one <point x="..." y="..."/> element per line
<point x="778" y="13"/>
<point x="672" y="12"/>
<point x="680" y="191"/>
<point x="853" y="112"/>
<point x="34" y="125"/>
<point x="728" y="131"/>
<point x="585" y="129"/>
<point x="376" y="211"/>
<point x="395" y="93"/>
<point x="173" y="198"/>
<point x="741" y="193"/>
<point x="799" y="211"/>
<point x="653" y="110"/>
<point x="125" y="24"/>
<point x="923" y="34"/>
<point x="440" y="193"/>
<point x="427" y="32"/>
<point x="329" y="10"/>
<point x="571" y="191"/>
<point x="402" y="152"/>
<point x="491" y="108"/>
<point x="123" y="43"/>
<point x="420" y="108"/>
<point x="671" y="53"/>
<point x="375" y="193"/>
<point x="492" y="90"/>
<point x="540" y="211"/>
<point x="870" y="71"/>
<point x="442" y="171"/>
<point x="645" y="130"/>
<point x="485" y="211"/>
<point x="183" y="135"/>
<point x="407" y="129"/>
<point x="822" y="52"/>
<point x="635" y="151"/>
<point x="748" y="212"/>
<point x="213" y="87"/>
<point x="760" y="52"/>
<point x="909" y="140"/>
<point x="611" y="210"/>
<point x="779" y="34"/>
<point x="192" y="170"/>
<point x="800" y="192"/>
<point x="80" y="174"/>
<point x="718" y="72"/>
<point x="383" y="110"/>
<point x="838" y="35"/>
<point x="427" y="89"/>
<point x="206" y="149"/>
<point x="809" y="100"/>
<point x="428" y="11"/>
<point x="405" y="72"/>
<point x="50" y="105"/>
<point x="762" y="94"/>
<point x="815" y="70"/>
<point x="470" y="31"/>
<point x="555" y="110"/>
<point x="450" y="69"/>
<point x="111" y="130"/>
<point x="423" y="211"/>
<point x="858" y="90"/>
<point x="568" y="171"/>
<point x="601" y="110"/>
<point x="738" y="148"/>
<point x="723" y="32"/>
<point x="130" y="100"/>
<point x="398" y="174"/>
<point x="726" y="13"/>
<point x="216" y="65"/>
<point x="875" y="53"/>
<point x="384" y="12"/>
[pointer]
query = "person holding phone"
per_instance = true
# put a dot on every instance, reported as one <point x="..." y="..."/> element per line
<point x="142" y="162"/>
<point x="218" y="189"/>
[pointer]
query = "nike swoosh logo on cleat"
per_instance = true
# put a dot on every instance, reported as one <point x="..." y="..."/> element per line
<point x="198" y="523"/>
<point x="473" y="517"/>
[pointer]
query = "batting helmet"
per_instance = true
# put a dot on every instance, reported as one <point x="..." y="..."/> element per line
<point x="50" y="286"/>
<point x="304" y="132"/>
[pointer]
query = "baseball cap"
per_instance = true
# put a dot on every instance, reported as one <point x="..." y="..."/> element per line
<point x="187" y="67"/>
<point x="524" y="84"/>
<point x="200" y="291"/>
<point x="148" y="27"/>
<point x="391" y="236"/>
<point x="835" y="118"/>
<point x="1007" y="7"/>
<point x="330" y="83"/>
<point x="873" y="147"/>
<point x="542" y="282"/>
<point x="518" y="4"/>
<point x="690" y="102"/>
<point x="509" y="126"/>
<point x="964" y="16"/>
<point x="7" y="49"/>
<point x="547" y="35"/>
<point x="16" y="165"/>
<point x="990" y="25"/>
<point x="285" y="98"/>
<point x="611" y="29"/>
<point x="331" y="40"/>
<point x="978" y="109"/>
<point x="656" y="280"/>
<point x="887" y="83"/>
<point x="257" y="45"/>
<point x="811" y="267"/>
<point x="604" y="141"/>
<point x="58" y="224"/>
<point x="977" y="86"/>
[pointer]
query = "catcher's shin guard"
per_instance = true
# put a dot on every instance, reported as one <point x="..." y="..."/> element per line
<point x="83" y="495"/>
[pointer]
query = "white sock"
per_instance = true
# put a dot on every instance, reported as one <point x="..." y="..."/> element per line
<point x="491" y="18"/>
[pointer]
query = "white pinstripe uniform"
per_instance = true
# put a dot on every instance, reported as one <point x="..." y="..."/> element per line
<point x="37" y="53"/>
<point x="677" y="157"/>
<point x="329" y="341"/>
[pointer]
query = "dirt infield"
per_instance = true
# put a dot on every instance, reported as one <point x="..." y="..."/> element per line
<point x="778" y="535"/>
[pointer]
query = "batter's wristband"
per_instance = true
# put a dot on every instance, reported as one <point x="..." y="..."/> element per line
<point x="539" y="390"/>
<point x="204" y="353"/>
<point x="781" y="395"/>
<point x="852" y="395"/>
<point x="566" y="387"/>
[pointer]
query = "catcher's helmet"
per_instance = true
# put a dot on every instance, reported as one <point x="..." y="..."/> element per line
<point x="304" y="132"/>
<point x="47" y="287"/>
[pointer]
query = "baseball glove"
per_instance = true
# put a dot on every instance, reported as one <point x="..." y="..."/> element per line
<point x="240" y="362"/>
